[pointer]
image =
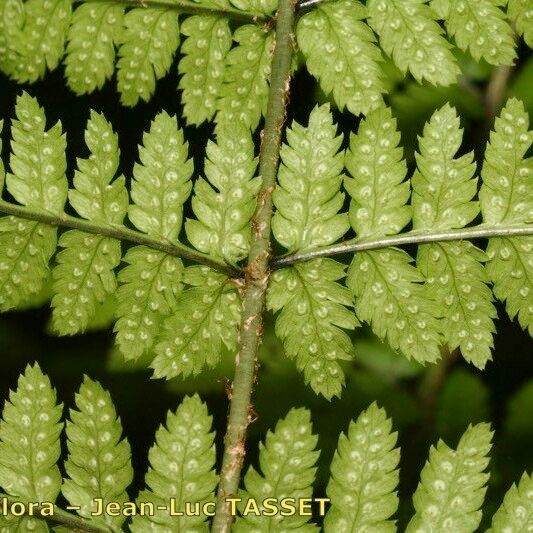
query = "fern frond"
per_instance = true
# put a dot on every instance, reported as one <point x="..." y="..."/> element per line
<point x="478" y="26"/>
<point x="99" y="462"/>
<point x="37" y="160"/>
<point x="287" y="459"/>
<point x="225" y="204"/>
<point x="161" y="183"/>
<point x="37" y="180"/>
<point x="341" y="53"/>
<point x="244" y="92"/>
<point x="308" y="197"/>
<point x="182" y="462"/>
<point x="507" y="197"/>
<point x="148" y="289"/>
<point x="29" y="446"/>
<point x="37" y="41"/>
<point x="256" y="6"/>
<point x="516" y="511"/>
<point x="11" y="22"/>
<point x="313" y="309"/>
<point x="364" y="476"/>
<point x="409" y="33"/>
<point x="388" y="290"/>
<point x="202" y="67"/>
<point x="84" y="275"/>
<point x="452" y="486"/>
<point x="94" y="32"/>
<point x="521" y="13"/>
<point x="205" y="317"/>
<point x="443" y="188"/>
<point x="148" y="44"/>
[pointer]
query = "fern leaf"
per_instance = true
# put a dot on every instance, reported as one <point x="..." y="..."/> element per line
<point x="341" y="53"/>
<point x="313" y="309"/>
<point x="256" y="6"/>
<point x="443" y="188"/>
<point x="182" y="464"/>
<point x="206" y="317"/>
<point x="452" y="486"/>
<point x="37" y="161"/>
<point x="287" y="459"/>
<point x="147" y="294"/>
<point x="521" y="13"/>
<point x="11" y="22"/>
<point x="99" y="462"/>
<point x="308" y="197"/>
<point x="364" y="476"/>
<point x="507" y="197"/>
<point x="38" y="181"/>
<point x="225" y="204"/>
<point x="516" y="511"/>
<point x="478" y="26"/>
<point x="388" y="290"/>
<point x="409" y="33"/>
<point x="39" y="41"/>
<point x="29" y="446"/>
<point x="93" y="34"/>
<point x="244" y="93"/>
<point x="162" y="180"/>
<point x="148" y="44"/>
<point x="84" y="274"/>
<point x="202" y="67"/>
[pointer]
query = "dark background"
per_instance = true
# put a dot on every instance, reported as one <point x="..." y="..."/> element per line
<point x="502" y="394"/>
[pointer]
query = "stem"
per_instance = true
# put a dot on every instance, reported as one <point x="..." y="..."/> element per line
<point x="188" y="8"/>
<point x="411" y="237"/>
<point x="257" y="270"/>
<point x="117" y="232"/>
<point x="73" y="522"/>
<point x="495" y="92"/>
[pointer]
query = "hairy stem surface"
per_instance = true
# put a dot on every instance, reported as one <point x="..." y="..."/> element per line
<point x="411" y="237"/>
<point x="257" y="270"/>
<point x="117" y="232"/>
<point x="73" y="522"/>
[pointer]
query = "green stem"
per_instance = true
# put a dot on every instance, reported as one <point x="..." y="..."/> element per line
<point x="117" y="232"/>
<point x="257" y="270"/>
<point x="73" y="522"/>
<point x="188" y="8"/>
<point x="411" y="237"/>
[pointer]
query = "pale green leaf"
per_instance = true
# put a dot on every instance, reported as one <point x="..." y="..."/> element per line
<point x="308" y="197"/>
<point x="516" y="512"/>
<point x="389" y="293"/>
<point x="147" y="294"/>
<point x="313" y="309"/>
<point x="99" y="462"/>
<point x="148" y="44"/>
<point x="287" y="460"/>
<point x="37" y="160"/>
<point x="94" y="32"/>
<point x="29" y="445"/>
<point x="480" y="27"/>
<point x="206" y="317"/>
<point x="340" y="52"/>
<point x="182" y="469"/>
<point x="161" y="182"/>
<point x="26" y="248"/>
<point x="507" y="198"/>
<point x="364" y="476"/>
<point x="521" y="12"/>
<point x="452" y="485"/>
<point x="244" y="93"/>
<point x="225" y="204"/>
<point x="83" y="278"/>
<point x="11" y="22"/>
<point x="37" y="41"/>
<point x="409" y="33"/>
<point x="202" y="67"/>
<point x="443" y="188"/>
<point x="256" y="6"/>
<point x="97" y="196"/>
